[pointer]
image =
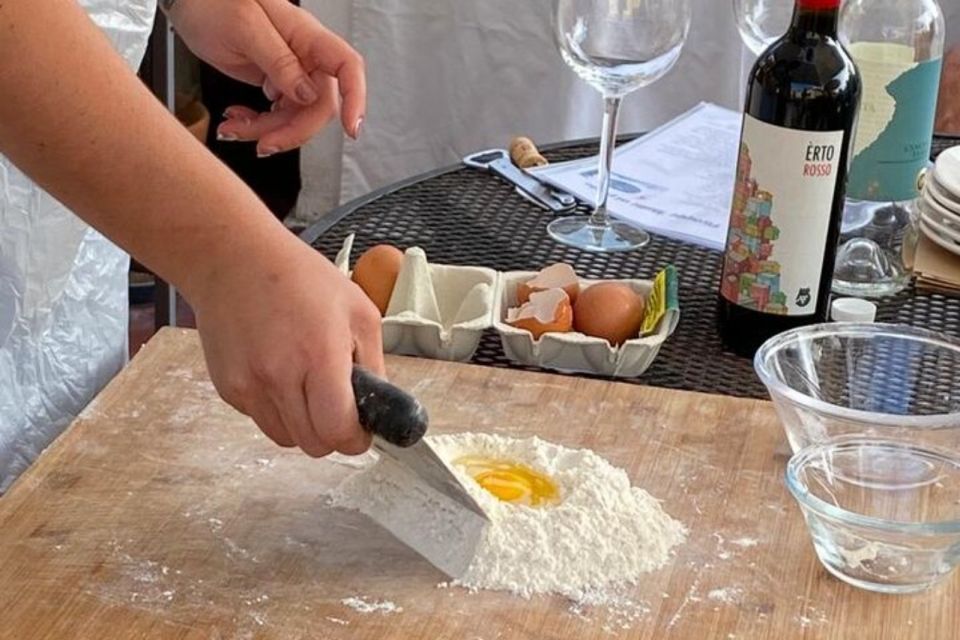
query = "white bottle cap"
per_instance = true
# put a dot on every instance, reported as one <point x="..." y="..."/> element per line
<point x="853" y="310"/>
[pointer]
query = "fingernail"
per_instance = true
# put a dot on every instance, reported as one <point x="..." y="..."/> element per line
<point x="266" y="152"/>
<point x="356" y="128"/>
<point x="306" y="93"/>
<point x="227" y="137"/>
<point x="240" y="117"/>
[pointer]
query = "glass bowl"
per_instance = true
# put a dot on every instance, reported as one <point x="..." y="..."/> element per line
<point x="884" y="515"/>
<point x="867" y="379"/>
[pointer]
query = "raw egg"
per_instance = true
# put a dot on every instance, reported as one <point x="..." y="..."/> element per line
<point x="557" y="276"/>
<point x="546" y="312"/>
<point x="609" y="310"/>
<point x="511" y="481"/>
<point x="376" y="273"/>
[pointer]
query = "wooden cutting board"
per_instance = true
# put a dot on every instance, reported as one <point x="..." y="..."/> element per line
<point x="163" y="513"/>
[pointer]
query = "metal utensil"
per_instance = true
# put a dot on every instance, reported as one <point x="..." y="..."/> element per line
<point x="498" y="161"/>
<point x="441" y="521"/>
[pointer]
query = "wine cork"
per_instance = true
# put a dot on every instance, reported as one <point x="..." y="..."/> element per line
<point x="525" y="154"/>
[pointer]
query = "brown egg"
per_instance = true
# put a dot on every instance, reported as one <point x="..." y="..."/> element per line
<point x="610" y="310"/>
<point x="376" y="273"/>
<point x="557" y="276"/>
<point x="546" y="312"/>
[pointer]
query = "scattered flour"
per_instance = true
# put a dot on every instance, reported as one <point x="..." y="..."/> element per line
<point x="610" y="609"/>
<point x="727" y="595"/>
<point x="602" y="535"/>
<point x="692" y="595"/>
<point x="361" y="605"/>
<point x="745" y="543"/>
<point x="361" y="461"/>
<point x="722" y="553"/>
<point x="810" y="615"/>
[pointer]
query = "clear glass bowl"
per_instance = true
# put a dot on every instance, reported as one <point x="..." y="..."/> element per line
<point x="884" y="515"/>
<point x="881" y="380"/>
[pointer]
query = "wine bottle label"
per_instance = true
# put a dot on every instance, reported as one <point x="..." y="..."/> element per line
<point x="892" y="143"/>
<point x="780" y="218"/>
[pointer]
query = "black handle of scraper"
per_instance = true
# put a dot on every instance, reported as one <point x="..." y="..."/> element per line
<point x="388" y="411"/>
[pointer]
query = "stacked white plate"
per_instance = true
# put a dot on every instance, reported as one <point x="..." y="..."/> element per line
<point x="940" y="202"/>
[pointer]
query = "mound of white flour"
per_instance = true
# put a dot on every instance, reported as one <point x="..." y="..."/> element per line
<point x="603" y="534"/>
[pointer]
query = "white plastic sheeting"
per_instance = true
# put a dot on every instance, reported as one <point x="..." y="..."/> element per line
<point x="63" y="290"/>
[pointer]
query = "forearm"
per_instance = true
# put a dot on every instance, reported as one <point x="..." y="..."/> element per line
<point x="79" y="122"/>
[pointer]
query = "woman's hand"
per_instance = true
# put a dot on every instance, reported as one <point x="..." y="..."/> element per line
<point x="301" y="65"/>
<point x="948" y="111"/>
<point x="280" y="337"/>
<point x="281" y="327"/>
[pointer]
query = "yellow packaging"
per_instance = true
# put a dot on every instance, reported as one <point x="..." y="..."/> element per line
<point x="663" y="298"/>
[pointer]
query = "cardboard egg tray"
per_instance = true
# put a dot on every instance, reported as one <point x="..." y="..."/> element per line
<point x="576" y="352"/>
<point x="436" y="311"/>
<point x="441" y="311"/>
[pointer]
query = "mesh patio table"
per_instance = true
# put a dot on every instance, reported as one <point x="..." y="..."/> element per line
<point x="463" y="216"/>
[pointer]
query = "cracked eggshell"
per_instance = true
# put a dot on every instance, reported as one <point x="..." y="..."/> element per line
<point x="544" y="312"/>
<point x="557" y="276"/>
<point x="575" y="352"/>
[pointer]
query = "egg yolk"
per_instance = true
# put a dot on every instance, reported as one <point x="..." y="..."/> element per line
<point x="510" y="481"/>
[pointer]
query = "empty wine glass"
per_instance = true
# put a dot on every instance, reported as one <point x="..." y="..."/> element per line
<point x="761" y="22"/>
<point x="617" y="46"/>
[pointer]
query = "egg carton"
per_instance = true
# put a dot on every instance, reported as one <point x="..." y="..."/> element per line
<point x="436" y="311"/>
<point x="575" y="352"/>
<point x="441" y="311"/>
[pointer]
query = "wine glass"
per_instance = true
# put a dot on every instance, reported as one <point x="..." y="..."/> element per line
<point x="761" y="22"/>
<point x="617" y="46"/>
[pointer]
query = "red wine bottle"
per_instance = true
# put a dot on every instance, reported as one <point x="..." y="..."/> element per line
<point x="802" y="101"/>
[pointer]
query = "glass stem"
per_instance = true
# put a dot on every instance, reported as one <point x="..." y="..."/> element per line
<point x="608" y="142"/>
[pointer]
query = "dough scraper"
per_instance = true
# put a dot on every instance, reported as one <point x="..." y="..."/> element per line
<point x="441" y="521"/>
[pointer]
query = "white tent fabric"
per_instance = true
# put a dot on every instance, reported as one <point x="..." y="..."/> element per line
<point x="449" y="78"/>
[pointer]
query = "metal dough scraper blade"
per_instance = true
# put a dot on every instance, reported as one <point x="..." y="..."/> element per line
<point x="439" y="519"/>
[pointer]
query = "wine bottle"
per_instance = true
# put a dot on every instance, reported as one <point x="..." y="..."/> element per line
<point x="898" y="47"/>
<point x="801" y="109"/>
